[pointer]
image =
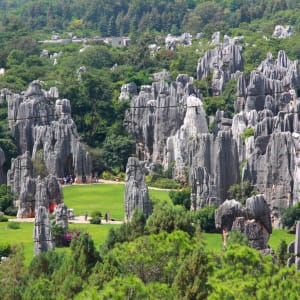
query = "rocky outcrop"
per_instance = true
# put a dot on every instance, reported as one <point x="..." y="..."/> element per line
<point x="254" y="220"/>
<point x="294" y="250"/>
<point x="40" y="125"/>
<point x="283" y="32"/>
<point x="172" y="41"/>
<point x="268" y="104"/>
<point x="157" y="113"/>
<point x="271" y="86"/>
<point x="136" y="191"/>
<point x="31" y="193"/>
<point x="214" y="168"/>
<point x="61" y="216"/>
<point x="42" y="231"/>
<point x="223" y="62"/>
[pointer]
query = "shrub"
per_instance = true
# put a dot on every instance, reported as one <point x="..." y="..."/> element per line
<point x="107" y="176"/>
<point x="96" y="217"/>
<point x="247" y="133"/>
<point x="5" y="250"/>
<point x="205" y="218"/>
<point x="290" y="215"/>
<point x="14" y="225"/>
<point x="11" y="211"/>
<point x="3" y="218"/>
<point x="241" y="192"/>
<point x="237" y="237"/>
<point x="182" y="197"/>
<point x="58" y="235"/>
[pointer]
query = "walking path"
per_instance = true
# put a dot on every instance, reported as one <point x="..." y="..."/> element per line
<point x="76" y="220"/>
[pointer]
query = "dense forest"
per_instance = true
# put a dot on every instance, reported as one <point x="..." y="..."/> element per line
<point x="163" y="257"/>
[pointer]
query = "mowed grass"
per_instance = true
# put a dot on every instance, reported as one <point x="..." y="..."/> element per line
<point x="101" y="197"/>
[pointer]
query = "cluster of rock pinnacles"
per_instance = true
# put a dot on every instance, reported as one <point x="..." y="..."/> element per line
<point x="170" y="127"/>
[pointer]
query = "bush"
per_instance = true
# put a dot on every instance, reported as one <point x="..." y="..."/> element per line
<point x="205" y="218"/>
<point x="237" y="237"/>
<point x="290" y="215"/>
<point x="241" y="192"/>
<point x="5" y="250"/>
<point x="247" y="133"/>
<point x="163" y="183"/>
<point x="6" y="198"/>
<point x="107" y="176"/>
<point x="3" y="218"/>
<point x="96" y="217"/>
<point x="11" y="211"/>
<point x="14" y="225"/>
<point x="58" y="235"/>
<point x="182" y="197"/>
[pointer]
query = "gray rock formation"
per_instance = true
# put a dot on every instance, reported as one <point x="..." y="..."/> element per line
<point x="172" y="41"/>
<point x="283" y="32"/>
<point x="254" y="220"/>
<point x="267" y="103"/>
<point x="61" y="216"/>
<point x="42" y="231"/>
<point x="214" y="168"/>
<point x="270" y="86"/>
<point x="30" y="192"/>
<point x="127" y="91"/>
<point x="136" y="191"/>
<point x="156" y="114"/>
<point x="41" y="126"/>
<point x="224" y="62"/>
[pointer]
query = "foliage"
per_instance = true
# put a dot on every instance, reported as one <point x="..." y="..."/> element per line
<point x="5" y="250"/>
<point x="96" y="217"/>
<point x="14" y="225"/>
<point x="39" y="166"/>
<point x="247" y="133"/>
<point x="126" y="232"/>
<point x="6" y="198"/>
<point x="191" y="279"/>
<point x="205" y="218"/>
<point x="167" y="217"/>
<point x="162" y="182"/>
<point x="282" y="254"/>
<point x="237" y="237"/>
<point x="290" y="215"/>
<point x="241" y="191"/>
<point x="3" y="218"/>
<point x="156" y="257"/>
<point x="58" y="235"/>
<point x="181" y="197"/>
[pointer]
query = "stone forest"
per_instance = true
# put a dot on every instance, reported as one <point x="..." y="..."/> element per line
<point x="188" y="111"/>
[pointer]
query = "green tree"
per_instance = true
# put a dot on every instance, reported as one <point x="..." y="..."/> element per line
<point x="290" y="215"/>
<point x="182" y="197"/>
<point x="191" y="279"/>
<point x="167" y="217"/>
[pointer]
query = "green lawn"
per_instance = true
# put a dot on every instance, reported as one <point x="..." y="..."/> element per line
<point x="101" y="197"/>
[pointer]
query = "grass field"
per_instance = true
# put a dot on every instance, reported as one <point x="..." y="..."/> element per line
<point x="102" y="197"/>
<point x="106" y="197"/>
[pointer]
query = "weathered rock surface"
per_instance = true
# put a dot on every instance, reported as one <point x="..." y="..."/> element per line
<point x="224" y="62"/>
<point x="31" y="193"/>
<point x="283" y="32"/>
<point x="216" y="158"/>
<point x="42" y="235"/>
<point x="157" y="113"/>
<point x="61" y="216"/>
<point x="269" y="86"/>
<point x="40" y="125"/>
<point x="136" y="191"/>
<point x="268" y="104"/>
<point x="172" y="41"/>
<point x="254" y="220"/>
